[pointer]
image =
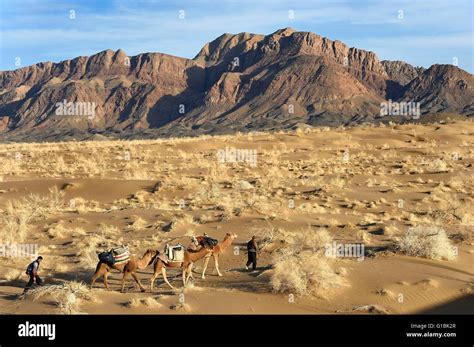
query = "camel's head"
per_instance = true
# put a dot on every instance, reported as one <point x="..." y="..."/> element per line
<point x="231" y="235"/>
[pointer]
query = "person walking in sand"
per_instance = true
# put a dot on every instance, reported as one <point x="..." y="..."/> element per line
<point x="252" y="250"/>
<point x="32" y="271"/>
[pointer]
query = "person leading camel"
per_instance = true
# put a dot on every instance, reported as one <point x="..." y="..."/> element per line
<point x="252" y="250"/>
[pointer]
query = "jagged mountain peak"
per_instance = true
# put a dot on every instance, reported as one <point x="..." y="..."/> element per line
<point x="236" y="82"/>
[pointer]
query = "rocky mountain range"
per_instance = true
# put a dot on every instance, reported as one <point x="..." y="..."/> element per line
<point x="239" y="82"/>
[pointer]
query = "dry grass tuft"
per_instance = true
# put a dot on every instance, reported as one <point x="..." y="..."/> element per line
<point x="306" y="274"/>
<point x="149" y="302"/>
<point x="428" y="242"/>
<point x="301" y="268"/>
<point x="67" y="296"/>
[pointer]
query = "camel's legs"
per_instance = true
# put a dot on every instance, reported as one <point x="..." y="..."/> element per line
<point x="189" y="270"/>
<point x="184" y="275"/>
<point x="135" y="277"/>
<point x="125" y="274"/>
<point x="157" y="268"/>
<point x="99" y="272"/>
<point x="206" y="261"/>
<point x="152" y="281"/>
<point x="94" y="278"/>
<point x="216" y="264"/>
<point x="106" y="283"/>
<point x="163" y="272"/>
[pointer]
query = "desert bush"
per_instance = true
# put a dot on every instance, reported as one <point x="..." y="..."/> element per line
<point x="137" y="223"/>
<point x="67" y="296"/>
<point x="301" y="268"/>
<point x="147" y="302"/>
<point x="14" y="222"/>
<point x="363" y="237"/>
<point x="306" y="274"/>
<point x="309" y="239"/>
<point x="428" y="242"/>
<point x="13" y="274"/>
<point x="88" y="248"/>
<point x="19" y="213"/>
<point x="437" y="166"/>
<point x="58" y="230"/>
<point x="270" y="235"/>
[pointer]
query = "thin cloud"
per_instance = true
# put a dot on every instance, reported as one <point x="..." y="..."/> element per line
<point x="42" y="30"/>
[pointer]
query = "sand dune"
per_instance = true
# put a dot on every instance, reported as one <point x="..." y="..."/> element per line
<point x="307" y="188"/>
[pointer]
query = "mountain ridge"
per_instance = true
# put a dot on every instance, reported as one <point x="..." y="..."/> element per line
<point x="237" y="82"/>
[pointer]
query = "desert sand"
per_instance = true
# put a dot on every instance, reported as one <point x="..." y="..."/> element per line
<point x="367" y="185"/>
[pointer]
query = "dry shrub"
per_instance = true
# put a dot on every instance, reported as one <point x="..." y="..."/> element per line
<point x="204" y="218"/>
<point x="457" y="184"/>
<point x="309" y="239"/>
<point x="89" y="247"/>
<point x="186" y="219"/>
<point x="81" y="205"/>
<point x="147" y="302"/>
<point x="13" y="274"/>
<point x="306" y="273"/>
<point x="59" y="230"/>
<point x="183" y="307"/>
<point x="437" y="166"/>
<point x="363" y="237"/>
<point x="271" y="236"/>
<point x="336" y="182"/>
<point x="14" y="222"/>
<point x="138" y="223"/>
<point x="428" y="242"/>
<point x="301" y="267"/>
<point x="67" y="296"/>
<point x="453" y="209"/>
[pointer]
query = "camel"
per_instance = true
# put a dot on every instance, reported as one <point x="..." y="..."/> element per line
<point x="216" y="251"/>
<point x="128" y="268"/>
<point x="187" y="264"/>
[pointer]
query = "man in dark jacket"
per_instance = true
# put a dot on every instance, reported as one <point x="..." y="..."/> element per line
<point x="32" y="271"/>
<point x="252" y="250"/>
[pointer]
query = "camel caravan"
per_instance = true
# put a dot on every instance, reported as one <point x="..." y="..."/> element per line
<point x="176" y="257"/>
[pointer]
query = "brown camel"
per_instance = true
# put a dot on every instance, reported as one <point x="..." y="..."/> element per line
<point x="128" y="268"/>
<point x="187" y="264"/>
<point x="216" y="251"/>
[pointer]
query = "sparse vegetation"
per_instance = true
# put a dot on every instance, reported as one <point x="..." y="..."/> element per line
<point x="301" y="196"/>
<point x="428" y="242"/>
<point x="301" y="268"/>
<point x="67" y="296"/>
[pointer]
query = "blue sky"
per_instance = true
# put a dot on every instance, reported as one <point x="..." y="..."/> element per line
<point x="428" y="32"/>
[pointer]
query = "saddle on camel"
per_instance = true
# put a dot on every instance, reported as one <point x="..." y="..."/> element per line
<point x="218" y="249"/>
<point x="115" y="256"/>
<point x="177" y="257"/>
<point x="121" y="260"/>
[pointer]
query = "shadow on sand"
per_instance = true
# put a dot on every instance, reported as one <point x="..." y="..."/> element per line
<point x="462" y="305"/>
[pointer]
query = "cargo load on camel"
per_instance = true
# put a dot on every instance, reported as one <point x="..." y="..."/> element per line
<point x="208" y="242"/>
<point x="115" y="256"/>
<point x="172" y="253"/>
